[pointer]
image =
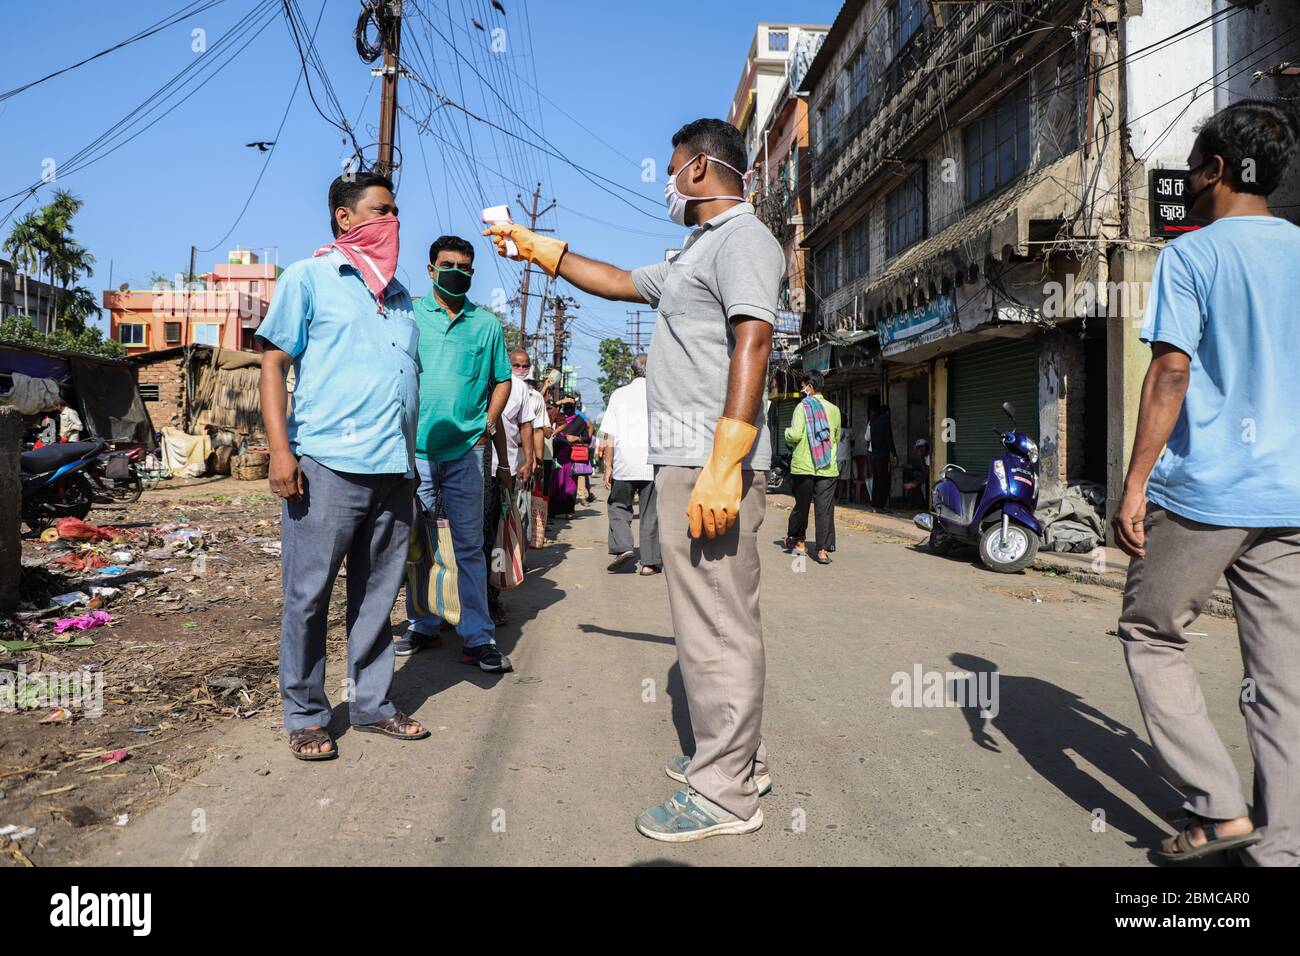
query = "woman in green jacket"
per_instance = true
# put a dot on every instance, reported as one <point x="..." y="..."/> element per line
<point x="813" y="435"/>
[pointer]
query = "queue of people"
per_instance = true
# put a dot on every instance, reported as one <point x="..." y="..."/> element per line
<point x="398" y="398"/>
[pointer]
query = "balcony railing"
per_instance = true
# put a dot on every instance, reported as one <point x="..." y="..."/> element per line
<point x="929" y="74"/>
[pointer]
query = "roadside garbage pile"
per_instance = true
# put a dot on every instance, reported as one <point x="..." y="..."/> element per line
<point x="129" y="640"/>
<point x="111" y="566"/>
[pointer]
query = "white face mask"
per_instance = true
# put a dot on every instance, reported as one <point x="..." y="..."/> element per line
<point x="676" y="202"/>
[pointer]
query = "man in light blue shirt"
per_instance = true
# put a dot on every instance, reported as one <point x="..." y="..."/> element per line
<point x="1219" y="411"/>
<point x="343" y="459"/>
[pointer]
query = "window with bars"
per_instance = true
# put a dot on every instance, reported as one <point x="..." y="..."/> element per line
<point x="908" y="19"/>
<point x="171" y="332"/>
<point x="858" y="77"/>
<point x="828" y="268"/>
<point x="828" y="123"/>
<point x="905" y="214"/>
<point x="778" y="41"/>
<point x="998" y="145"/>
<point x="856" y="245"/>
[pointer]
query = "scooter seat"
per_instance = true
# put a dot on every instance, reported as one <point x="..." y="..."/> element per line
<point x="53" y="457"/>
<point x="966" y="482"/>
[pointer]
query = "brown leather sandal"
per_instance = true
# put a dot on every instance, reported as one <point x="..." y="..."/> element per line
<point x="393" y="727"/>
<point x="1184" y="851"/>
<point x="305" y="736"/>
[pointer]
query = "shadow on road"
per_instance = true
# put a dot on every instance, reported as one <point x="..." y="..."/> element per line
<point x="1043" y="721"/>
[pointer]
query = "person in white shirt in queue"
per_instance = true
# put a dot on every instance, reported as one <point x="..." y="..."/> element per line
<point x="625" y="435"/>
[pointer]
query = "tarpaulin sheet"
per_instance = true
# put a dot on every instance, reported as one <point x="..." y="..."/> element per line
<point x="110" y="403"/>
<point x="33" y="364"/>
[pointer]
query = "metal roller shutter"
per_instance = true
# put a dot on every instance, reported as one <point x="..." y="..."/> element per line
<point x="784" y="415"/>
<point x="980" y="380"/>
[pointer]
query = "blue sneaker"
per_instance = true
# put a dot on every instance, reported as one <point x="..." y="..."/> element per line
<point x="688" y="816"/>
<point x="679" y="765"/>
<point x="487" y="658"/>
<point x="412" y="642"/>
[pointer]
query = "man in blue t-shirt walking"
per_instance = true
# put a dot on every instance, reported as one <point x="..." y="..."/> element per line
<point x="1221" y="399"/>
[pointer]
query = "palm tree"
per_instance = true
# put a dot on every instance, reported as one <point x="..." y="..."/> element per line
<point x="24" y="245"/>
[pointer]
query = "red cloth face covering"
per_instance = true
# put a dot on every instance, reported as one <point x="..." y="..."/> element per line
<point x="371" y="247"/>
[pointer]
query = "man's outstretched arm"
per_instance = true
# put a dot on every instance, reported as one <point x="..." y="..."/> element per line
<point x="553" y="255"/>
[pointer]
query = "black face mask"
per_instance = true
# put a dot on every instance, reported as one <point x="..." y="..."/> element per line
<point x="453" y="282"/>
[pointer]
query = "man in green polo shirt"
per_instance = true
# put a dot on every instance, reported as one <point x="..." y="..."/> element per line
<point x="464" y="385"/>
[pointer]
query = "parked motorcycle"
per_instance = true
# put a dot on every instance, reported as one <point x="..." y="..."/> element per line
<point x="778" y="475"/>
<point x="996" y="512"/>
<point x="115" y="476"/>
<point x="54" y="482"/>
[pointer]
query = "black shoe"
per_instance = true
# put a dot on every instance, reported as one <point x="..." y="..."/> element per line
<point x="488" y="658"/>
<point x="413" y="642"/>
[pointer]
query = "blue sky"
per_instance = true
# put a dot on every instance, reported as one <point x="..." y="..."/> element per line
<point x="606" y="83"/>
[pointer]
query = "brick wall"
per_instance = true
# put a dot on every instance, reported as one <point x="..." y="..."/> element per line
<point x="169" y="376"/>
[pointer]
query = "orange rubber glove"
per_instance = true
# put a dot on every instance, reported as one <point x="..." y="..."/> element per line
<point x="714" y="504"/>
<point x="539" y="250"/>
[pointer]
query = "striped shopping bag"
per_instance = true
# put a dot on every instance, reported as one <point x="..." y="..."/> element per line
<point x="431" y="576"/>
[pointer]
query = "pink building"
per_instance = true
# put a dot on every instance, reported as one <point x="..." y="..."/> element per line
<point x="224" y="308"/>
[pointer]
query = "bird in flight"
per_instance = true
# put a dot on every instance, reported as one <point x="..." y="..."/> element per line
<point x="262" y="146"/>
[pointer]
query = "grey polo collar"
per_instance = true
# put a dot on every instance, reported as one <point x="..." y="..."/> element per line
<point x="739" y="209"/>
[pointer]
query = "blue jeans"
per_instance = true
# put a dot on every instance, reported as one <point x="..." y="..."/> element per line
<point x="458" y="484"/>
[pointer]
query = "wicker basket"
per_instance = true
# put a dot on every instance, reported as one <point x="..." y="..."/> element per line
<point x="250" y="466"/>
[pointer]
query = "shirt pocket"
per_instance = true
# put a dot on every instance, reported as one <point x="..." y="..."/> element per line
<point x="681" y="286"/>
<point x="467" y="362"/>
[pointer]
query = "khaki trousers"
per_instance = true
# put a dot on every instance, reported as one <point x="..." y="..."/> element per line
<point x="713" y="598"/>
<point x="1164" y="595"/>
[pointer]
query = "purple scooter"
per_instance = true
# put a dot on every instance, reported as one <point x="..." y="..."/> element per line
<point x="996" y="512"/>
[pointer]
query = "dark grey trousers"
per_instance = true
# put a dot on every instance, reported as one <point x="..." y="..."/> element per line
<point x="809" y="491"/>
<point x="368" y="519"/>
<point x="620" y="520"/>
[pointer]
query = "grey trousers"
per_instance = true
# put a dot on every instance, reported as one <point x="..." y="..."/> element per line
<point x="368" y="519"/>
<point x="620" y="520"/>
<point x="1164" y="595"/>
<point x="713" y="599"/>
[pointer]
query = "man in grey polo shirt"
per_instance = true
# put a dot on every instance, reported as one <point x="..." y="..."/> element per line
<point x="708" y="361"/>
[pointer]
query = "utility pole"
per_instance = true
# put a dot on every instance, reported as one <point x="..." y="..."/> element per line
<point x="390" y="38"/>
<point x="533" y="215"/>
<point x="189" y="295"/>
<point x="634" y="329"/>
<point x="557" y="357"/>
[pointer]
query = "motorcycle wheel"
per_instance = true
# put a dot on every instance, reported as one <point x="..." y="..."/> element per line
<point x="127" y="491"/>
<point x="78" y="499"/>
<point x="1014" y="554"/>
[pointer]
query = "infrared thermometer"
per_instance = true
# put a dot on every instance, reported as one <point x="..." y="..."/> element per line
<point x="497" y="216"/>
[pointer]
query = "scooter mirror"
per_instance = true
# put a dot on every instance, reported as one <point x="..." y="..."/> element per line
<point x="1010" y="410"/>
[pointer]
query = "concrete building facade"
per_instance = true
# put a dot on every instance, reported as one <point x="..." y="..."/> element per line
<point x="980" y="224"/>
